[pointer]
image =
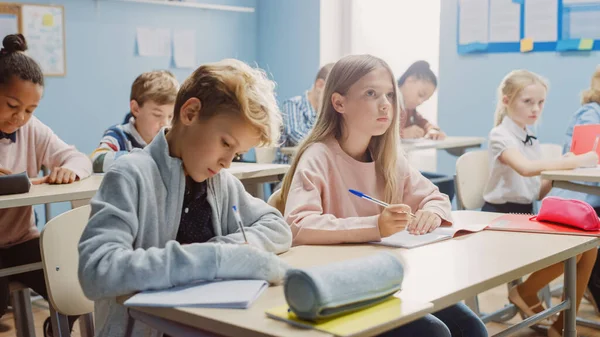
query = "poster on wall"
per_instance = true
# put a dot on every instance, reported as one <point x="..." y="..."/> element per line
<point x="43" y="27"/>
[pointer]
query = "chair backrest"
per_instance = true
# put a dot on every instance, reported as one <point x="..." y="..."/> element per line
<point x="551" y="151"/>
<point x="60" y="257"/>
<point x="472" y="173"/>
<point x="265" y="155"/>
<point x="275" y="200"/>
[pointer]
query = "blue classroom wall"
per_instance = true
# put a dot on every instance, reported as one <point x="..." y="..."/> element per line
<point x="468" y="85"/>
<point x="102" y="60"/>
<point x="288" y="43"/>
<point x="288" y="46"/>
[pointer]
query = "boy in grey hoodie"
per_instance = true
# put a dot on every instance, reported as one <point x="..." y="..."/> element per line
<point x="163" y="215"/>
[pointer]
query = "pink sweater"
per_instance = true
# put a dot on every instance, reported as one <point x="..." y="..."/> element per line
<point x="320" y="209"/>
<point x="36" y="145"/>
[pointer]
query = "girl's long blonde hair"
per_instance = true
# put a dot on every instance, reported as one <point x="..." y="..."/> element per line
<point x="330" y="123"/>
<point x="511" y="86"/>
<point x="593" y="93"/>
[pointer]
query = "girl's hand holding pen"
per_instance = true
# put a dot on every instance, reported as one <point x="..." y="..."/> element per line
<point x="393" y="219"/>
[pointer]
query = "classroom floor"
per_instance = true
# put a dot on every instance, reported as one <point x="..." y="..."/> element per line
<point x="490" y="300"/>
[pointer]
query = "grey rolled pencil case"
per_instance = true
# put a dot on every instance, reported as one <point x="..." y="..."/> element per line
<point x="342" y="287"/>
<point x="14" y="183"/>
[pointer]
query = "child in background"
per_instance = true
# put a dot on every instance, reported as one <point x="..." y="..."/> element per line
<point x="163" y="215"/>
<point x="354" y="145"/>
<point x="514" y="183"/>
<point x="588" y="113"/>
<point x="417" y="85"/>
<point x="151" y="102"/>
<point x="25" y="145"/>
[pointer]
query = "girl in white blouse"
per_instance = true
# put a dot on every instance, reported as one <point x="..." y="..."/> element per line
<point x="514" y="183"/>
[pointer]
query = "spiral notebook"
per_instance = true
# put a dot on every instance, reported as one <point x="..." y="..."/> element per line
<point x="523" y="223"/>
<point x="404" y="239"/>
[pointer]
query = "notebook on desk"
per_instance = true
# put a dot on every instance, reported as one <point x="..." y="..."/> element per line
<point x="522" y="223"/>
<point x="404" y="239"/>
<point x="233" y="294"/>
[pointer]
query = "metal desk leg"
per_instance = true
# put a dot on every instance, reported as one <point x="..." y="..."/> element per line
<point x="570" y="328"/>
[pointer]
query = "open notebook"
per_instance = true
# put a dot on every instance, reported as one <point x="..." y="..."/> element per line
<point x="403" y="239"/>
<point x="234" y="294"/>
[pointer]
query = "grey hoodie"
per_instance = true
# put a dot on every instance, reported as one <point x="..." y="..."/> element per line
<point x="129" y="243"/>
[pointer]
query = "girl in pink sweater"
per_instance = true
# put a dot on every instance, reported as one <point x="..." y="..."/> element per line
<point x="25" y="145"/>
<point x="355" y="145"/>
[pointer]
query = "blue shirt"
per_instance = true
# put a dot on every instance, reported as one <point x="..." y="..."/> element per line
<point x="587" y="114"/>
<point x="298" y="119"/>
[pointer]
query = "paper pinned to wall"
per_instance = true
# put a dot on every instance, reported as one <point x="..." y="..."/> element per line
<point x="505" y="21"/>
<point x="474" y="21"/>
<point x="541" y="20"/>
<point x="577" y="2"/>
<point x="153" y="41"/>
<point x="44" y="31"/>
<point x="184" y="48"/>
<point x="584" y="24"/>
<point x="9" y="24"/>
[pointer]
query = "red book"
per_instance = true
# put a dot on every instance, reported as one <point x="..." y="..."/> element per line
<point x="585" y="139"/>
<point x="524" y="223"/>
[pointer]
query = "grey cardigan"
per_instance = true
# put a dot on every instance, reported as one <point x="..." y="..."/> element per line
<point x="129" y="243"/>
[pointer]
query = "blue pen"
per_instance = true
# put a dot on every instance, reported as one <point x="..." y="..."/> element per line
<point x="238" y="219"/>
<point x="371" y="199"/>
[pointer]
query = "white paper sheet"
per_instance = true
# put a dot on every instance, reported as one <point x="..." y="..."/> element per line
<point x="184" y="48"/>
<point x="474" y="21"/>
<point x="584" y="25"/>
<point x="505" y="21"/>
<point x="580" y="2"/>
<point x="153" y="42"/>
<point x="541" y="20"/>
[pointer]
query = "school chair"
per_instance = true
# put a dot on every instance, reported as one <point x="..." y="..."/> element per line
<point x="60" y="258"/>
<point x="273" y="200"/>
<point x="20" y="300"/>
<point x="265" y="155"/>
<point x="551" y="151"/>
<point x="472" y="173"/>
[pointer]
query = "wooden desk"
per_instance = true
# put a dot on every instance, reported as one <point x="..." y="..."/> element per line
<point x="258" y="173"/>
<point x="453" y="145"/>
<point x="456" y="146"/>
<point x="567" y="179"/>
<point x="46" y="194"/>
<point x="249" y="173"/>
<point x="443" y="274"/>
<point x="79" y="193"/>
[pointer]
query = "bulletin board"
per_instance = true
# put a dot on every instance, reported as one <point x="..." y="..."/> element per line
<point x="44" y="28"/>
<point x="524" y="26"/>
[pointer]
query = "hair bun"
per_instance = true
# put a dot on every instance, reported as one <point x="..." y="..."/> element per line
<point x="14" y="43"/>
<point x="421" y="65"/>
